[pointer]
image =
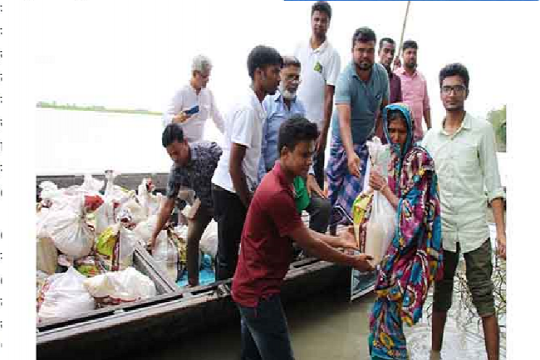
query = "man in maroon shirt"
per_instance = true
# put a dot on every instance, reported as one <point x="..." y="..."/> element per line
<point x="272" y="224"/>
<point x="387" y="49"/>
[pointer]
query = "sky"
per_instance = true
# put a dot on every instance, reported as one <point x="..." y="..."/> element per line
<point x="135" y="54"/>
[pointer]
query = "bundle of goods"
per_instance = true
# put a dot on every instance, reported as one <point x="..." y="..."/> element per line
<point x="83" y="234"/>
<point x="373" y="216"/>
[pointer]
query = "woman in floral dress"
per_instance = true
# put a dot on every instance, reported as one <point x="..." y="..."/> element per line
<point x="414" y="257"/>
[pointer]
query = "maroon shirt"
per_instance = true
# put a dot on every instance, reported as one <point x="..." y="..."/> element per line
<point x="266" y="250"/>
<point x="395" y="88"/>
<point x="395" y="97"/>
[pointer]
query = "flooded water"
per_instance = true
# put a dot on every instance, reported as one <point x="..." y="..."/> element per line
<point x="330" y="327"/>
<point x="76" y="142"/>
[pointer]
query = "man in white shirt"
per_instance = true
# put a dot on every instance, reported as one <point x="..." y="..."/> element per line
<point x="466" y="163"/>
<point x="191" y="107"/>
<point x="236" y="175"/>
<point x="194" y="103"/>
<point x="320" y="69"/>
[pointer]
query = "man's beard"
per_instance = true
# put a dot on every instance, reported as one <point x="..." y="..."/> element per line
<point x="364" y="65"/>
<point x="288" y="95"/>
<point x="411" y="65"/>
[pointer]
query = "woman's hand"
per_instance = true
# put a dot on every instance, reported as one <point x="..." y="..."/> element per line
<point x="376" y="181"/>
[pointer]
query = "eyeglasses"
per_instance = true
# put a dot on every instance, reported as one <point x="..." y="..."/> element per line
<point x="457" y="89"/>
<point x="292" y="78"/>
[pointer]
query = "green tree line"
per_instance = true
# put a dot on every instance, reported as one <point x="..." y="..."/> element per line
<point x="497" y="118"/>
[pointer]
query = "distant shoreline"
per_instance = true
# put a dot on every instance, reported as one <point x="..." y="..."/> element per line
<point x="74" y="107"/>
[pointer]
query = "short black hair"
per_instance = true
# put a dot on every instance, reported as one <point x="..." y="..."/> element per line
<point x="262" y="56"/>
<point x="171" y="133"/>
<point x="452" y="70"/>
<point x="294" y="130"/>
<point x="322" y="6"/>
<point x="363" y="34"/>
<point x="386" y="39"/>
<point x="410" y="44"/>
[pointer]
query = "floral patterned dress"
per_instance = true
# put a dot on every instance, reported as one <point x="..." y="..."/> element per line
<point x="414" y="257"/>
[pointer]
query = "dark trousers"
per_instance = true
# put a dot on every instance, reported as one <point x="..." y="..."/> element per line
<point x="318" y="167"/>
<point x="230" y="214"/>
<point x="319" y="213"/>
<point x="196" y="227"/>
<point x="478" y="271"/>
<point x="264" y="331"/>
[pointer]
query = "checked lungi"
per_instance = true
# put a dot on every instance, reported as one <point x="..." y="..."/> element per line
<point x="343" y="188"/>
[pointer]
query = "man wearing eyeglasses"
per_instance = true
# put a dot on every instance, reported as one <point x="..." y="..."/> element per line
<point x="280" y="107"/>
<point x="194" y="103"/>
<point x="190" y="108"/>
<point x="466" y="163"/>
<point x="414" y="88"/>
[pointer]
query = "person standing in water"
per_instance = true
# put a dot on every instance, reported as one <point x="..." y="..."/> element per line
<point x="414" y="257"/>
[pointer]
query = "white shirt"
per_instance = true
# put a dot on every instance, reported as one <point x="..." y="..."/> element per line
<point x="185" y="99"/>
<point x="466" y="165"/>
<point x="320" y="67"/>
<point x="244" y="127"/>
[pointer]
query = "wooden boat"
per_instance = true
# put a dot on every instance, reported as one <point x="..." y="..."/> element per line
<point x="174" y="312"/>
<point x="116" y="330"/>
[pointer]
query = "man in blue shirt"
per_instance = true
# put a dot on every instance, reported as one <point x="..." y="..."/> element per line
<point x="362" y="90"/>
<point x="280" y="107"/>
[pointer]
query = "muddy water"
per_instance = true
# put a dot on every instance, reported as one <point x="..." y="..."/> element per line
<point x="331" y="327"/>
<point x="463" y="336"/>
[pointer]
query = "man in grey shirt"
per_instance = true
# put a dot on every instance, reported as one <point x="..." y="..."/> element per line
<point x="361" y="91"/>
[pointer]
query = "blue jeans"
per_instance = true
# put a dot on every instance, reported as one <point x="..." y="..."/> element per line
<point x="264" y="331"/>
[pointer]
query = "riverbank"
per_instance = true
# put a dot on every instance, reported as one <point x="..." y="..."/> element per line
<point x="94" y="108"/>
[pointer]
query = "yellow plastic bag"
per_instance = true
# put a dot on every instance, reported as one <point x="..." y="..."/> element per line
<point x="361" y="211"/>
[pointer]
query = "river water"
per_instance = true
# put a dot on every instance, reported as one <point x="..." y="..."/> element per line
<point x="328" y="326"/>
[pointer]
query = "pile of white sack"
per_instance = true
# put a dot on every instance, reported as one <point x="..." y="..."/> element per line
<point x="94" y="236"/>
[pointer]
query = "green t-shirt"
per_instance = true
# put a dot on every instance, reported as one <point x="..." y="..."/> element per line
<point x="301" y="197"/>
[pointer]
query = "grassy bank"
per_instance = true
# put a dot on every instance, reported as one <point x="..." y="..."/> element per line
<point x="74" y="107"/>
